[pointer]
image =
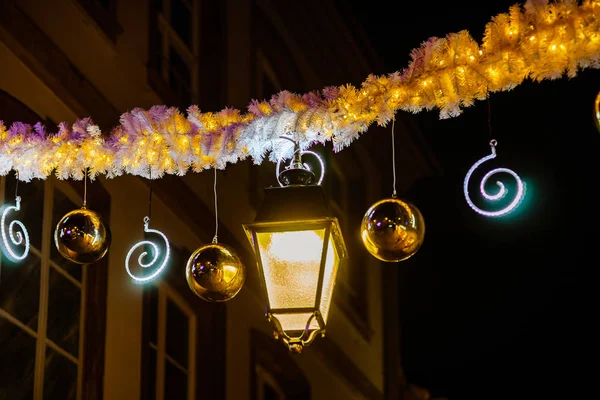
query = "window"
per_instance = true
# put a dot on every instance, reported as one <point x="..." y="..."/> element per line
<point x="171" y="345"/>
<point x="275" y="375"/>
<point x="267" y="387"/>
<point x="104" y="13"/>
<point x="348" y="203"/>
<point x="182" y="338"/>
<point x="174" y="42"/>
<point x="42" y="301"/>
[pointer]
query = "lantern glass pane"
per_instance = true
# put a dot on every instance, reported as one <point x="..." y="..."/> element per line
<point x="296" y="322"/>
<point x="331" y="268"/>
<point x="291" y="262"/>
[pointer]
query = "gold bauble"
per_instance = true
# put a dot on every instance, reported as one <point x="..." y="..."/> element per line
<point x="81" y="236"/>
<point x="392" y="230"/>
<point x="215" y="272"/>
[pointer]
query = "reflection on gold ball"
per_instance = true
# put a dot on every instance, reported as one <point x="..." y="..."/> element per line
<point x="215" y="272"/>
<point x="392" y="230"/>
<point x="81" y="236"/>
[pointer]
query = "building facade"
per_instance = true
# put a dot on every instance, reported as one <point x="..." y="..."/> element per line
<point x="72" y="332"/>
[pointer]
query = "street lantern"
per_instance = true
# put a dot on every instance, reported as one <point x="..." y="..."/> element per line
<point x="299" y="247"/>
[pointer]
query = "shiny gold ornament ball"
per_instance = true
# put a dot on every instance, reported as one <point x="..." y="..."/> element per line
<point x="81" y="236"/>
<point x="392" y="230"/>
<point x="215" y="272"/>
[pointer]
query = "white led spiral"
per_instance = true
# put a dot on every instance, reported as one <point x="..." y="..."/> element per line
<point x="501" y="193"/>
<point x="154" y="260"/>
<point x="12" y="239"/>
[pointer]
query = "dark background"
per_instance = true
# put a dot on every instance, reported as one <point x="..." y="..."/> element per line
<point x="499" y="308"/>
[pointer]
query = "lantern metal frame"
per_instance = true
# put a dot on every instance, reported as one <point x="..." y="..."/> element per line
<point x="297" y="206"/>
<point x="331" y="227"/>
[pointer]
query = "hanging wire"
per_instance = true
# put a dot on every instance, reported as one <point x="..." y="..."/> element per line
<point x="215" y="240"/>
<point x="150" y="197"/>
<point x="489" y="104"/>
<point x="85" y="188"/>
<point x="393" y="156"/>
<point x="17" y="185"/>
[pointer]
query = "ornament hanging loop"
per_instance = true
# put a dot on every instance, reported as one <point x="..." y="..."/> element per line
<point x="85" y="176"/>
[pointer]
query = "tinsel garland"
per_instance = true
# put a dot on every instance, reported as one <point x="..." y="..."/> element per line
<point x="539" y="40"/>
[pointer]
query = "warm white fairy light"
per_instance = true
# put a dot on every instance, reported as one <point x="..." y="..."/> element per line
<point x="501" y="193"/>
<point x="156" y="257"/>
<point x="16" y="238"/>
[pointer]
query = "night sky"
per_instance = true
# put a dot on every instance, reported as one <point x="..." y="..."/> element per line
<point x="500" y="308"/>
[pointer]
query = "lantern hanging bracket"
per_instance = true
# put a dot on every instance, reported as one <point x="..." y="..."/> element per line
<point x="298" y="173"/>
<point x="296" y="343"/>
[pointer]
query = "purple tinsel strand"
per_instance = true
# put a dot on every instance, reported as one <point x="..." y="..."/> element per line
<point x="113" y="141"/>
<point x="40" y="130"/>
<point x="19" y="128"/>
<point x="254" y="108"/>
<point x="63" y="131"/>
<point x="130" y="123"/>
<point x="207" y="142"/>
<point x="312" y="99"/>
<point x="194" y="119"/>
<point x="79" y="130"/>
<point x="281" y="100"/>
<point x="159" y="113"/>
<point x="144" y="120"/>
<point x="228" y="133"/>
<point x="331" y="93"/>
<point x="395" y="77"/>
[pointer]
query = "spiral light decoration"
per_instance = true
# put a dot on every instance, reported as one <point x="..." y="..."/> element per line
<point x="12" y="238"/>
<point x="501" y="193"/>
<point x="153" y="262"/>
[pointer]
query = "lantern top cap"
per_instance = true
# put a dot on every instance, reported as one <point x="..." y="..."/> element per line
<point x="293" y="203"/>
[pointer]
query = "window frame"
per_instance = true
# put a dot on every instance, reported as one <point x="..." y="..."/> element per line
<point x="85" y="388"/>
<point x="210" y="335"/>
<point x="159" y="25"/>
<point x="269" y="357"/>
<point x="94" y="332"/>
<point x="166" y="293"/>
<point x="105" y="19"/>
<point x="263" y="376"/>
<point x="346" y="294"/>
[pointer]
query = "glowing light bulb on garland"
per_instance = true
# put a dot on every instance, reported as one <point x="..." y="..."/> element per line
<point x="214" y="272"/>
<point x="156" y="264"/>
<point x="12" y="240"/>
<point x="81" y="236"/>
<point x="520" y="192"/>
<point x="392" y="229"/>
